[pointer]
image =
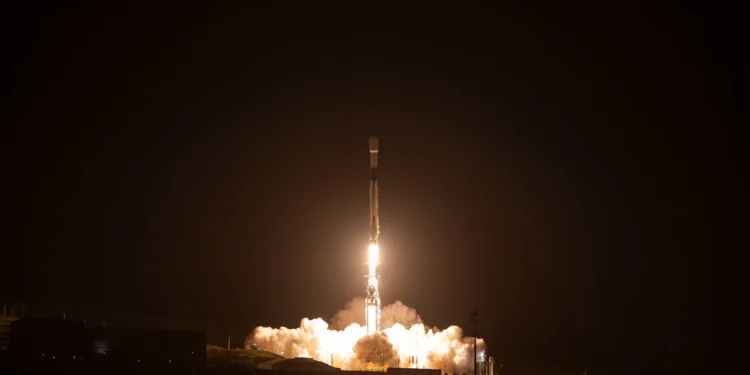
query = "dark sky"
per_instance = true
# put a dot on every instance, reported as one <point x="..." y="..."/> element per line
<point x="571" y="174"/>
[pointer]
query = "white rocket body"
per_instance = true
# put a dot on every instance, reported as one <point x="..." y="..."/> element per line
<point x="372" y="302"/>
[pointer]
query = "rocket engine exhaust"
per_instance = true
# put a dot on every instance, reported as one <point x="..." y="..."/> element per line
<point x="403" y="341"/>
<point x="393" y="336"/>
<point x="372" y="300"/>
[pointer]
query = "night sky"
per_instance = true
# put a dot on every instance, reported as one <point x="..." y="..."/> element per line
<point x="572" y="175"/>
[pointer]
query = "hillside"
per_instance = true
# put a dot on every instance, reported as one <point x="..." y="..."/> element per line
<point x="217" y="356"/>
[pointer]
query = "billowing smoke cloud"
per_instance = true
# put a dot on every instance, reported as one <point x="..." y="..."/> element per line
<point x="403" y="342"/>
<point x="398" y="313"/>
<point x="353" y="313"/>
<point x="376" y="350"/>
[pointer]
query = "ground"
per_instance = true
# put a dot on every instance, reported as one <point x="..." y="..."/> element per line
<point x="217" y="356"/>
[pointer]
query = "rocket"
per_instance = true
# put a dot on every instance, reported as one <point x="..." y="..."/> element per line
<point x="374" y="219"/>
<point x="372" y="302"/>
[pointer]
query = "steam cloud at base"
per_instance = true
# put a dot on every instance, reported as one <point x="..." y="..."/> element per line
<point x="404" y="341"/>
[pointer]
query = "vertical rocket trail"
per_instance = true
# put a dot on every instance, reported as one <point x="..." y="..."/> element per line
<point x="372" y="302"/>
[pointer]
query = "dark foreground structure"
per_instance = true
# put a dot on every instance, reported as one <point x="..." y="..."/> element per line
<point x="61" y="346"/>
<point x="390" y="371"/>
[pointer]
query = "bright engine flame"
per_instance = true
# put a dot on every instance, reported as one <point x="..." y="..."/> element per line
<point x="403" y="342"/>
<point x="373" y="258"/>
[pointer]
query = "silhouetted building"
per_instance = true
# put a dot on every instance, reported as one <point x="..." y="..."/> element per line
<point x="43" y="346"/>
<point x="58" y="338"/>
<point x="66" y="346"/>
<point x="121" y="348"/>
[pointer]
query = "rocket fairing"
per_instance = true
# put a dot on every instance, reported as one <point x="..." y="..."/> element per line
<point x="372" y="302"/>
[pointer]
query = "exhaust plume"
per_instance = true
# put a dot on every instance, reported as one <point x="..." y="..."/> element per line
<point x="404" y="341"/>
<point x="398" y="313"/>
<point x="375" y="350"/>
<point x="351" y="314"/>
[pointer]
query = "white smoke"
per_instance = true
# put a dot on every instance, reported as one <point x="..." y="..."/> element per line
<point x="352" y="313"/>
<point x="398" y="313"/>
<point x="403" y="342"/>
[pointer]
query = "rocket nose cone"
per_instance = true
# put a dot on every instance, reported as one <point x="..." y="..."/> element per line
<point x="373" y="144"/>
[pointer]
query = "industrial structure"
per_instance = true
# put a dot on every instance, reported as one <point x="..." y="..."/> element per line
<point x="372" y="302"/>
<point x="146" y="347"/>
<point x="47" y="339"/>
<point x="47" y="346"/>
